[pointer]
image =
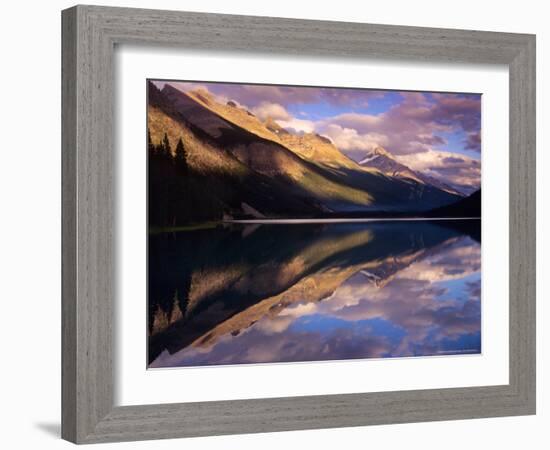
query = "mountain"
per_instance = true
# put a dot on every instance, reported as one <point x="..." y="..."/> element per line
<point x="383" y="160"/>
<point x="239" y="166"/>
<point x="466" y="207"/>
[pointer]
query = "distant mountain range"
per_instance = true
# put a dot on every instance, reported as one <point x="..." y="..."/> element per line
<point x="237" y="165"/>
<point x="384" y="161"/>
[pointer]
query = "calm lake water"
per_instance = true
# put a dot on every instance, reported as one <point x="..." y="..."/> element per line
<point x="239" y="294"/>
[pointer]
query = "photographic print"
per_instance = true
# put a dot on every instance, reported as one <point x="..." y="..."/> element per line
<point x="295" y="223"/>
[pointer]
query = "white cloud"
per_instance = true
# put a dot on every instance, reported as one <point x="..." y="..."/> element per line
<point x="350" y="139"/>
<point x="449" y="167"/>
<point x="298" y="126"/>
<point x="274" y="111"/>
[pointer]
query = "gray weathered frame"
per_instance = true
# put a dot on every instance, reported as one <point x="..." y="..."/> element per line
<point x="89" y="36"/>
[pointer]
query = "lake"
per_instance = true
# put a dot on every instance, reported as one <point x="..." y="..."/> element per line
<point x="266" y="293"/>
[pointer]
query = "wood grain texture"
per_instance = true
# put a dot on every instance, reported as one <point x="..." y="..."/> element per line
<point x="68" y="224"/>
<point x="89" y="36"/>
<point x="523" y="224"/>
<point x="88" y="211"/>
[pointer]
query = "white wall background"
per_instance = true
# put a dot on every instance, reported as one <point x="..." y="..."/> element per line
<point x="30" y="237"/>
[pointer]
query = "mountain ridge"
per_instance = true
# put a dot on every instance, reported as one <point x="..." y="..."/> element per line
<point x="303" y="170"/>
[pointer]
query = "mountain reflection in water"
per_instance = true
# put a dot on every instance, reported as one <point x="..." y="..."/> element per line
<point x="241" y="294"/>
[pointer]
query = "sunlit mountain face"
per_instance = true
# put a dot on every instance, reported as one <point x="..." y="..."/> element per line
<point x="293" y="224"/>
<point x="280" y="293"/>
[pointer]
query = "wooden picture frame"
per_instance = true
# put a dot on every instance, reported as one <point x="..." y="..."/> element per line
<point x="90" y="34"/>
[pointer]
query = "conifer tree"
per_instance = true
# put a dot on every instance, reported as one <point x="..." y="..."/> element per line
<point x="165" y="146"/>
<point x="181" y="155"/>
<point x="150" y="146"/>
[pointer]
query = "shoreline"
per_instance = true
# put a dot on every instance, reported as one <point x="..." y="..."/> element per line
<point x="342" y="220"/>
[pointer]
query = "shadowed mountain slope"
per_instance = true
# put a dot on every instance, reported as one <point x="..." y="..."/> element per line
<point x="466" y="207"/>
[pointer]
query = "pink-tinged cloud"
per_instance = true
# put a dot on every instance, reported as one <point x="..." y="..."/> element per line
<point x="473" y="141"/>
<point x="413" y="125"/>
<point x="251" y="95"/>
<point x="452" y="168"/>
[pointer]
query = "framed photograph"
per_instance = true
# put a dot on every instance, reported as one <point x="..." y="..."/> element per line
<point x="279" y="224"/>
<point x="308" y="246"/>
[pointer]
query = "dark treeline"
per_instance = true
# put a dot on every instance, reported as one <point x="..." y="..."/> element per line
<point x="163" y="150"/>
<point x="177" y="194"/>
<point x="167" y="180"/>
<point x="173" y="189"/>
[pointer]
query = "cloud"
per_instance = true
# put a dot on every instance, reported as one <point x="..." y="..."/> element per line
<point x="409" y="127"/>
<point x="349" y="139"/>
<point x="417" y="123"/>
<point x="253" y="95"/>
<point x="299" y="310"/>
<point x="462" y="109"/>
<point x="453" y="159"/>
<point x="362" y="123"/>
<point x="298" y="126"/>
<point x="274" y="111"/>
<point x="456" y="262"/>
<point x="473" y="141"/>
<point x="256" y="346"/>
<point x="418" y="299"/>
<point x="474" y="290"/>
<point x="452" y="168"/>
<point x="349" y="97"/>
